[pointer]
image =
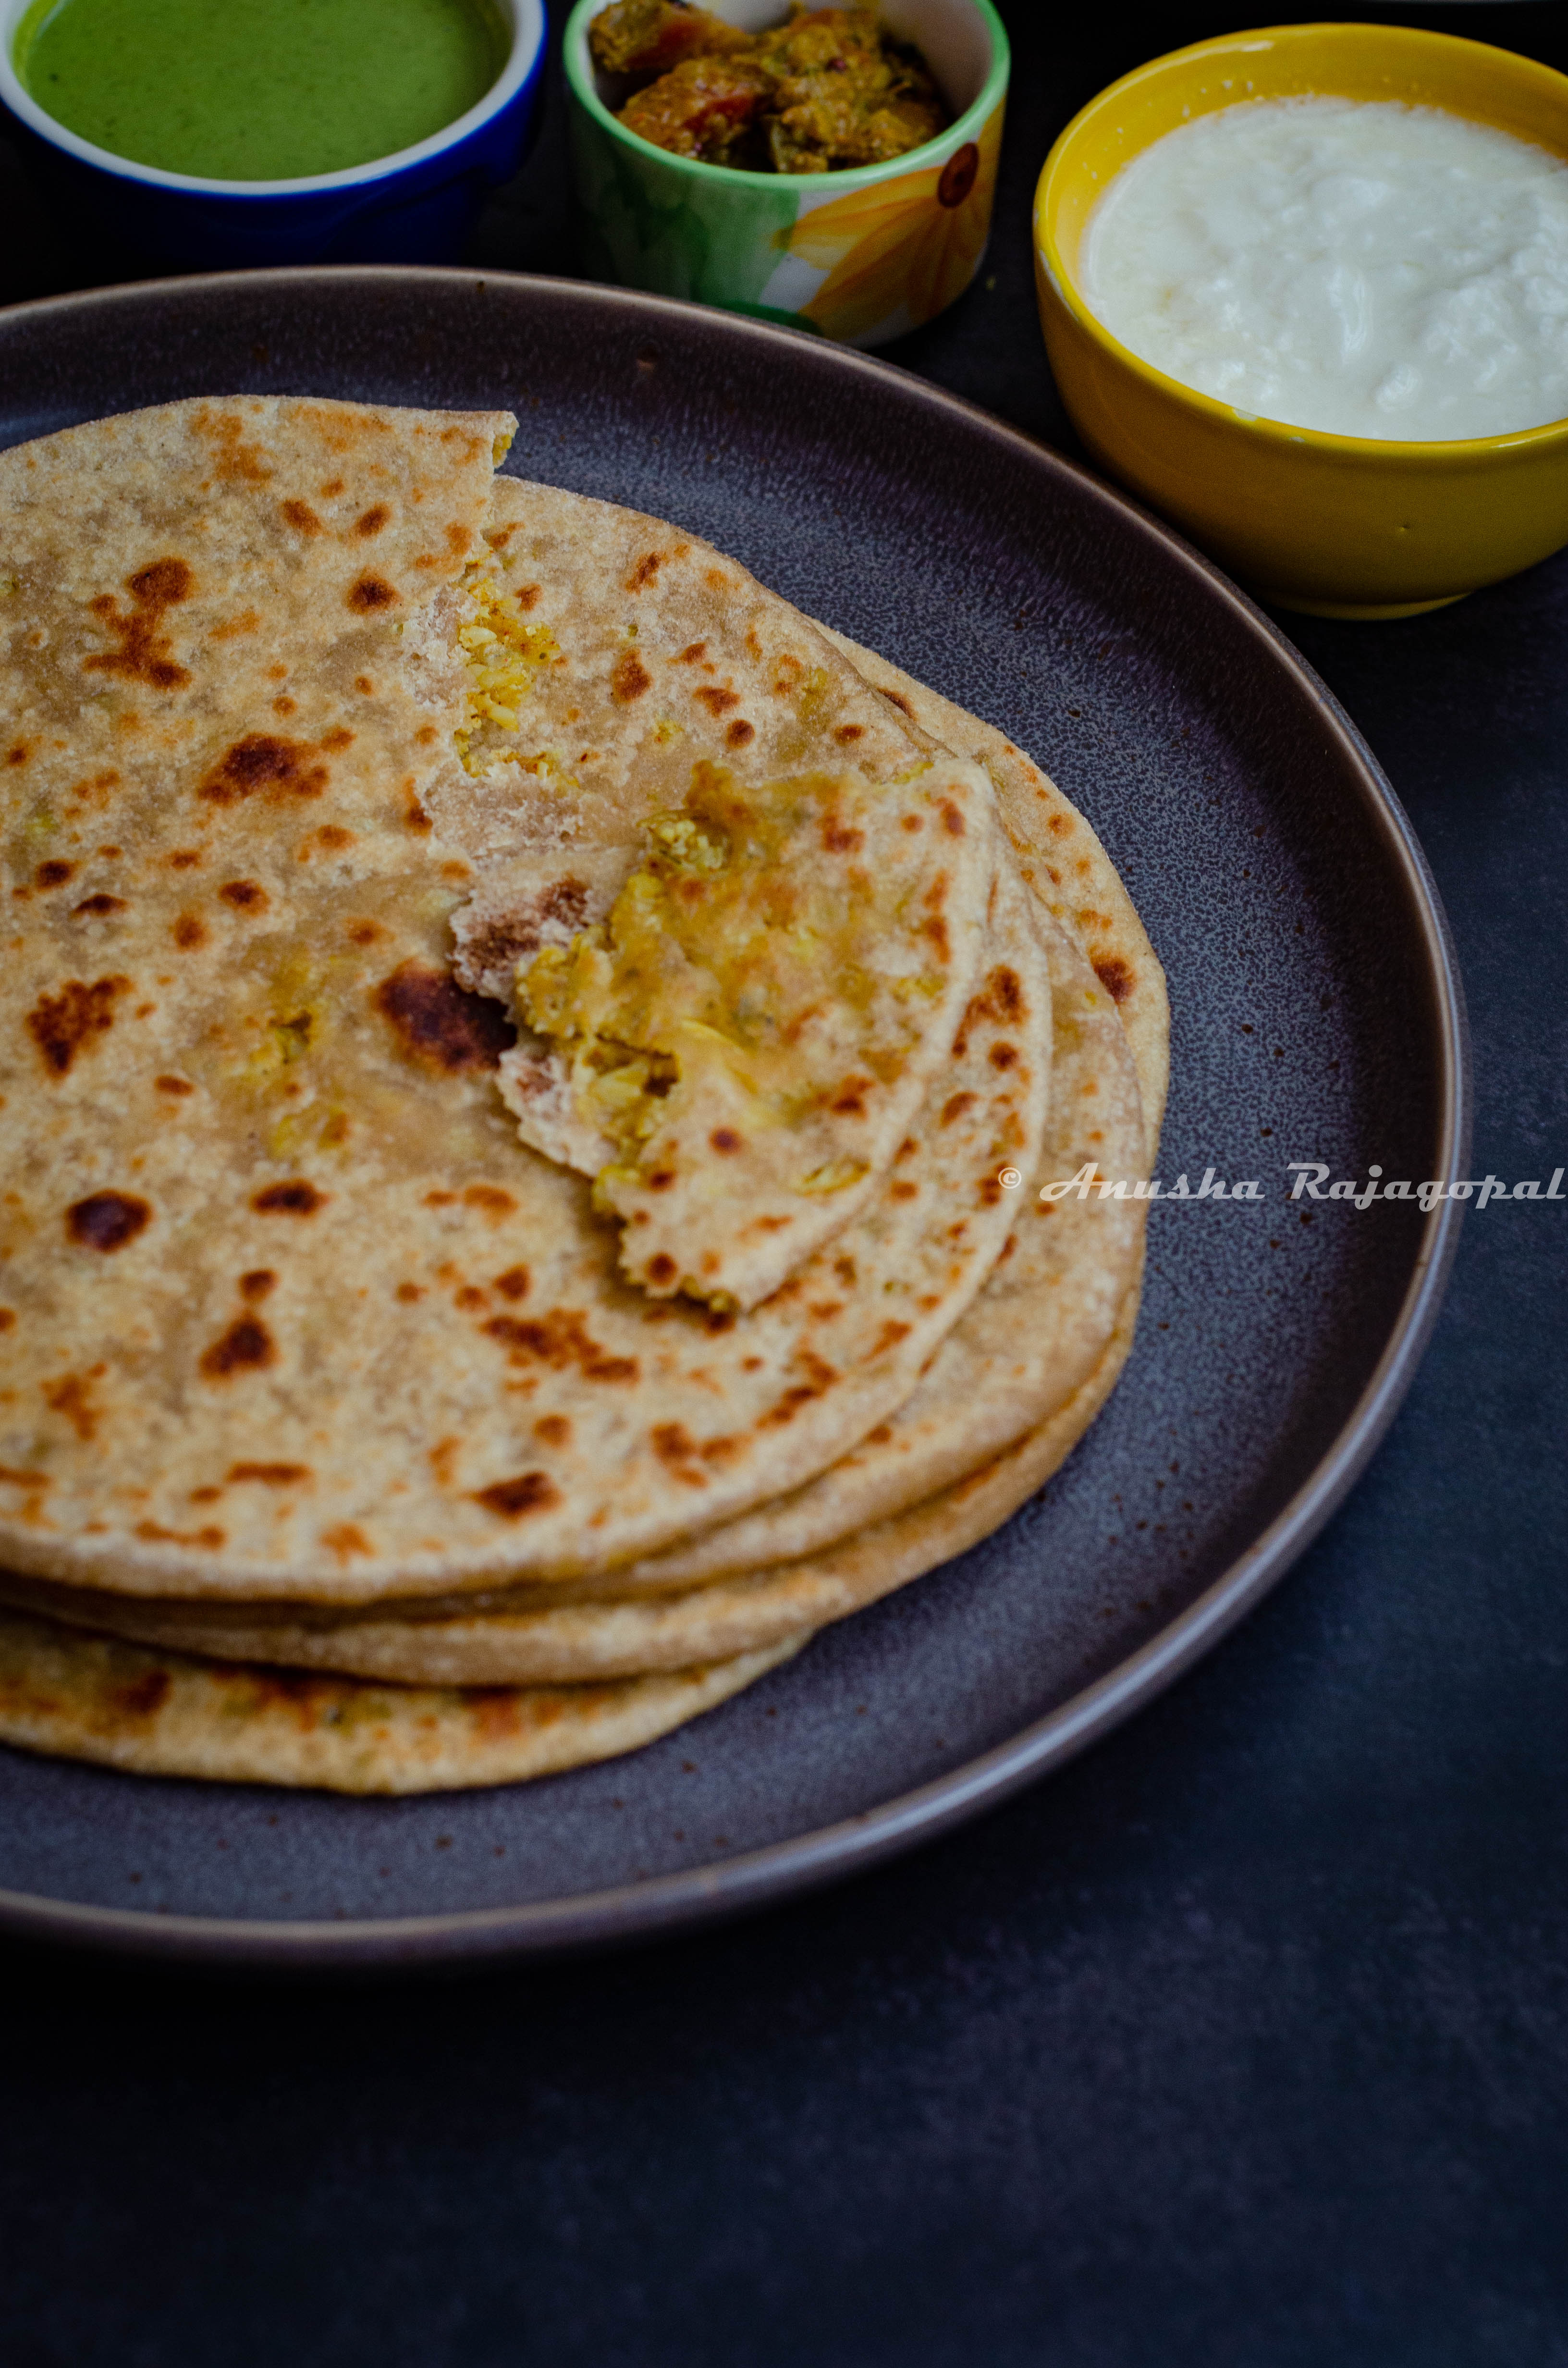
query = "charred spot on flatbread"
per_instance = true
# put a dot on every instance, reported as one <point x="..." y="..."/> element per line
<point x="370" y="594"/>
<point x="71" y="1397"/>
<point x="234" y="461"/>
<point x="106" y="1220"/>
<point x="528" y="1492"/>
<point x="70" y="1022"/>
<point x="265" y="763"/>
<point x="143" y="654"/>
<point x="441" y="1023"/>
<point x="246" y="1345"/>
<point x="629" y="678"/>
<point x="559" y="1339"/>
<point x="294" y="1197"/>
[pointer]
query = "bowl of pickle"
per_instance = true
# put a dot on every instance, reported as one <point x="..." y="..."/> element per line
<point x="830" y="168"/>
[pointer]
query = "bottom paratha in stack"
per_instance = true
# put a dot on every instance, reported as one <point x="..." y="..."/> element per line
<point x="89" y="1697"/>
<point x="583" y="1655"/>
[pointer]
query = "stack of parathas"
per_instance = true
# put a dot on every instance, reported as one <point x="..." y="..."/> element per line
<point x="526" y="1066"/>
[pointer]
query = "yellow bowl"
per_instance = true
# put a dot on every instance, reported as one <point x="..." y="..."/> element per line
<point x="1343" y="526"/>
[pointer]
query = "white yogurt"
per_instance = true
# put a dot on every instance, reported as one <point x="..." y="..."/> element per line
<point x="1363" y="267"/>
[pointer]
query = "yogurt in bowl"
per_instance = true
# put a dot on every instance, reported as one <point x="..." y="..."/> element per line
<point x="1359" y="266"/>
<point x="1346" y="391"/>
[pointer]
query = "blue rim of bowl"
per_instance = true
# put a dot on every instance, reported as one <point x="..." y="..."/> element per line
<point x="665" y="1904"/>
<point x="523" y="62"/>
<point x="1381" y="450"/>
<point x="967" y="126"/>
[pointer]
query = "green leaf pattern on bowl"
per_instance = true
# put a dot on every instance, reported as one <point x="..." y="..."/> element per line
<point x="678" y="234"/>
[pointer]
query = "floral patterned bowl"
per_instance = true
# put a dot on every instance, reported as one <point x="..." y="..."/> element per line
<point x="860" y="256"/>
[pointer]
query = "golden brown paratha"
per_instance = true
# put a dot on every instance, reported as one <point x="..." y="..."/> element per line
<point x="555" y="1643"/>
<point x="1060" y="856"/>
<point x="728" y="930"/>
<point x="1024" y="1348"/>
<point x="734" y="1053"/>
<point x="531" y="845"/>
<point x="1043" y="1333"/>
<point x="81" y="1697"/>
<point x="292" y="1313"/>
<point x="1031" y="1357"/>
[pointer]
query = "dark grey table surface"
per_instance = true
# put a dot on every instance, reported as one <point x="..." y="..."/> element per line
<point x="1242" y="2044"/>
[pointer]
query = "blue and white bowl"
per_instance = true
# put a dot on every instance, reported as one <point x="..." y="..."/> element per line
<point x="416" y="206"/>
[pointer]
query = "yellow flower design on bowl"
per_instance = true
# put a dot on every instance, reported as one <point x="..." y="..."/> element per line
<point x="898" y="253"/>
<point x="862" y="254"/>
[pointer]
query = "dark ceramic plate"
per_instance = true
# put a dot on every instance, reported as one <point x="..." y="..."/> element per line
<point x="1317" y="1016"/>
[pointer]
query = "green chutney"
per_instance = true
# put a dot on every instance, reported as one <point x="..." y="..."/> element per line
<point x="258" y="90"/>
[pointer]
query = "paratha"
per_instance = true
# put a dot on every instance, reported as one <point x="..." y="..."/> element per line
<point x="735" y="1053"/>
<point x="1060" y="859"/>
<point x="471" y="1664"/>
<point x="1017" y="1361"/>
<point x="669" y="646"/>
<point x="549" y="1643"/>
<point x="1029" y="1357"/>
<point x="82" y="1697"/>
<point x="293" y="1314"/>
<point x="735" y="970"/>
<point x="1049" y="1322"/>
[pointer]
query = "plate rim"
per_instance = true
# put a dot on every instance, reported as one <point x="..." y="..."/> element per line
<point x="658" y="1906"/>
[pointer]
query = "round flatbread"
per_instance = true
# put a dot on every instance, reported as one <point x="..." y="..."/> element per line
<point x="725" y="909"/>
<point x="158" y="1714"/>
<point x="1026" y="1345"/>
<point x="1062" y="860"/>
<point x="289" y="1310"/>
<point x="553" y="1643"/>
<point x="1031" y="1357"/>
<point x="1032" y="1342"/>
<point x="532" y="844"/>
